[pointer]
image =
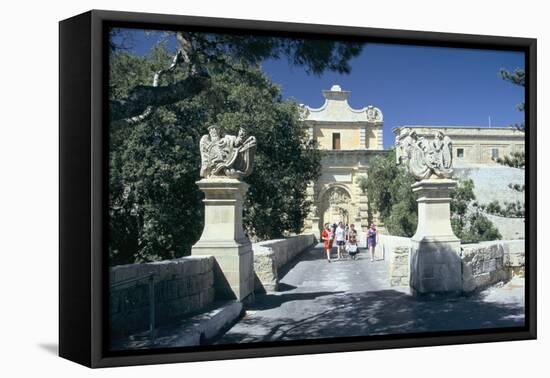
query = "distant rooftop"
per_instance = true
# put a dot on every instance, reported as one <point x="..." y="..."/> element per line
<point x="509" y="130"/>
<point x="337" y="109"/>
<point x="457" y="127"/>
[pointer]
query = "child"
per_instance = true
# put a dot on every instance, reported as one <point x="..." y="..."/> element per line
<point x="352" y="242"/>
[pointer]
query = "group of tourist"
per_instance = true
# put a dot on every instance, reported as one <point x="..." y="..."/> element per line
<point x="345" y="239"/>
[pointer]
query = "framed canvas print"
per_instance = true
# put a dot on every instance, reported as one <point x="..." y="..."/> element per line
<point x="234" y="188"/>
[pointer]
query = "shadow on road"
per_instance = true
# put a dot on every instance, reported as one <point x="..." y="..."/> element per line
<point x="285" y="287"/>
<point x="270" y="301"/>
<point x="371" y="313"/>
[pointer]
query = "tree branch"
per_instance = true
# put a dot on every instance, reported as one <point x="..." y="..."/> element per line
<point x="142" y="97"/>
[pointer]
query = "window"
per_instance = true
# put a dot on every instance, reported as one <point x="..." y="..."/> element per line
<point x="494" y="153"/>
<point x="335" y="141"/>
<point x="460" y="152"/>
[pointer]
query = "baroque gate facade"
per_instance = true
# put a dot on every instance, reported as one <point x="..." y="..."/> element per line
<point x="350" y="138"/>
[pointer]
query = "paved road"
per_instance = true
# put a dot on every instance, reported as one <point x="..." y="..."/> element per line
<point x="353" y="298"/>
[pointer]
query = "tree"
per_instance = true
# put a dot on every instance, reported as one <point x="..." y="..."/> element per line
<point x="389" y="194"/>
<point x="516" y="159"/>
<point x="155" y="206"/>
<point x="388" y="188"/>
<point x="199" y="53"/>
<point x="468" y="222"/>
<point x="517" y="78"/>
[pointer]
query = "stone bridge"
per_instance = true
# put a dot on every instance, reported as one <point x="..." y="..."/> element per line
<point x="300" y="295"/>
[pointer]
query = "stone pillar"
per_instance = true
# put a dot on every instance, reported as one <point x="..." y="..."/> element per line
<point x="223" y="237"/>
<point x="380" y="137"/>
<point x="363" y="137"/>
<point x="435" y="264"/>
<point x="315" y="227"/>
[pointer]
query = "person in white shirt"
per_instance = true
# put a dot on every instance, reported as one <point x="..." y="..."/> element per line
<point x="340" y="237"/>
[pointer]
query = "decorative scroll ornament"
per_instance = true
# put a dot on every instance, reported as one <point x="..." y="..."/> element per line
<point x="373" y="114"/>
<point x="424" y="159"/>
<point x="229" y="156"/>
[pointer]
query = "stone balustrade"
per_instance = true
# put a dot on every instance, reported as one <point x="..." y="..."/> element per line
<point x="271" y="255"/>
<point x="183" y="287"/>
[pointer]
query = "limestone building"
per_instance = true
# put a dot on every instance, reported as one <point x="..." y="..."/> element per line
<point x="473" y="146"/>
<point x="475" y="150"/>
<point x="349" y="139"/>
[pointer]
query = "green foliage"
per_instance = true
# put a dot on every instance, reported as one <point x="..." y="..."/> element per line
<point x="389" y="193"/>
<point x="514" y="160"/>
<point x="517" y="78"/>
<point x="467" y="221"/>
<point x="155" y="207"/>
<point x="517" y="187"/>
<point x="507" y="209"/>
<point x="201" y="55"/>
<point x="388" y="188"/>
<point x="479" y="228"/>
<point x="362" y="182"/>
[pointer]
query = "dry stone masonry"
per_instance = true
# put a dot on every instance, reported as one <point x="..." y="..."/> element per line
<point x="482" y="264"/>
<point x="488" y="263"/>
<point x="271" y="255"/>
<point x="182" y="287"/>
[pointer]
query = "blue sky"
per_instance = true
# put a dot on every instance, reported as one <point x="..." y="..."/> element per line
<point x="414" y="85"/>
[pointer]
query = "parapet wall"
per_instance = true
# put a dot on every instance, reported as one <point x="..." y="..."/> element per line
<point x="395" y="251"/>
<point x="483" y="264"/>
<point x="182" y="287"/>
<point x="488" y="263"/>
<point x="271" y="255"/>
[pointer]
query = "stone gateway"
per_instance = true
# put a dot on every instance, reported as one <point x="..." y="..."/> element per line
<point x="349" y="139"/>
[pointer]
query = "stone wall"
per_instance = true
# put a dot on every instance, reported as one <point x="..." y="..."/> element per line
<point x="491" y="183"/>
<point x="483" y="264"/>
<point x="271" y="255"/>
<point x="488" y="263"/>
<point x="182" y="287"/>
<point x="509" y="228"/>
<point x="395" y="250"/>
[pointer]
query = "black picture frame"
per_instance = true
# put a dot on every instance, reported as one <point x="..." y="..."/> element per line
<point x="83" y="186"/>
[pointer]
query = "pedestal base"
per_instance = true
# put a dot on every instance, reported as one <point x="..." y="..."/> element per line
<point x="223" y="237"/>
<point x="435" y="264"/>
<point x="435" y="267"/>
<point x="233" y="269"/>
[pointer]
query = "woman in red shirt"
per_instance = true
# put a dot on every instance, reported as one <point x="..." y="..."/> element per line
<point x="327" y="237"/>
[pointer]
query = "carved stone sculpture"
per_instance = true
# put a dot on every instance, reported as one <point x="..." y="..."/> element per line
<point x="435" y="264"/>
<point x="225" y="160"/>
<point x="373" y="114"/>
<point x="229" y="156"/>
<point x="338" y="196"/>
<point x="423" y="158"/>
